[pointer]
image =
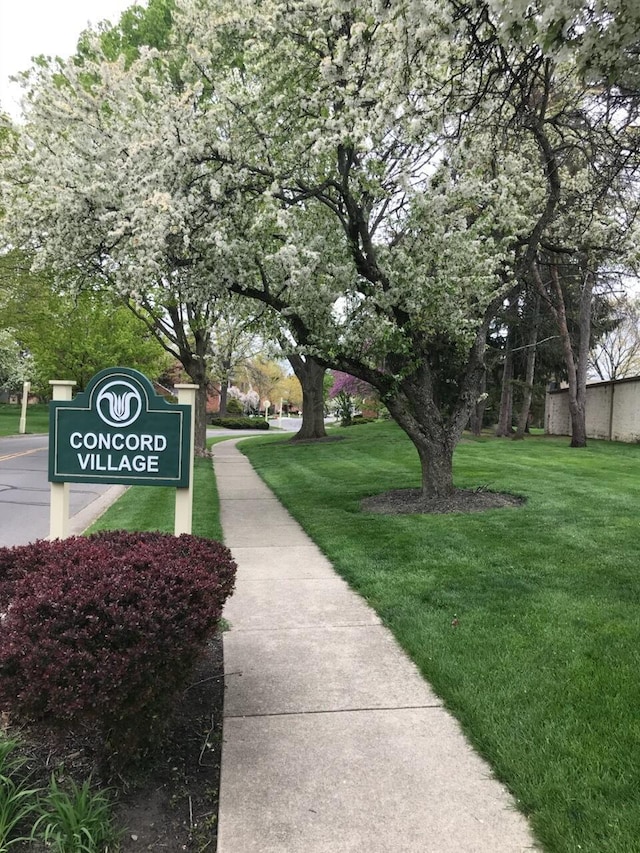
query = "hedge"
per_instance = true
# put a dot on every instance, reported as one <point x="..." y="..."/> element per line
<point x="104" y="631"/>
<point x="240" y="423"/>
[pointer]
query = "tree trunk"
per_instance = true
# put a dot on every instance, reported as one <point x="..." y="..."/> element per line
<point x="435" y="445"/>
<point x="199" y="378"/>
<point x="435" y="429"/>
<point x="200" y="437"/>
<point x="197" y="373"/>
<point x="576" y="366"/>
<point x="224" y="388"/>
<point x="578" y="425"/>
<point x="436" y="460"/>
<point x="530" y="370"/>
<point x="579" y="421"/>
<point x="477" y="415"/>
<point x="414" y="407"/>
<point x="506" y="397"/>
<point x="311" y="376"/>
<point x="189" y="343"/>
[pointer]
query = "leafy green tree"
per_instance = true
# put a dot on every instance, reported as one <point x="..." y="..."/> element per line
<point x="264" y="376"/>
<point x="147" y="26"/>
<point x="72" y="336"/>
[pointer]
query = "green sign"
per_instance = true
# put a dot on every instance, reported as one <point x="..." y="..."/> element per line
<point x="119" y="431"/>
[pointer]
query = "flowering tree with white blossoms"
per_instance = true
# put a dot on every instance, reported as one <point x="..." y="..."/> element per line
<point x="568" y="79"/>
<point x="430" y="246"/>
<point x="602" y="36"/>
<point x="353" y="166"/>
<point x="15" y="367"/>
<point x="250" y="401"/>
<point x="383" y="269"/>
<point x="72" y="219"/>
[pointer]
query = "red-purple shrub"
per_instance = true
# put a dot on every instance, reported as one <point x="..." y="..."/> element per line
<point x="105" y="630"/>
<point x="344" y="383"/>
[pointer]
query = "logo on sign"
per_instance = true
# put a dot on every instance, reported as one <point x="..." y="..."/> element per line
<point x="119" y="403"/>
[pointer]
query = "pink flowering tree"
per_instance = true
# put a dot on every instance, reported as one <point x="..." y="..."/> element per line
<point x="348" y="391"/>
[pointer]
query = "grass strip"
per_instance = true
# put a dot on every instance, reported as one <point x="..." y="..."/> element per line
<point x="37" y="418"/>
<point x="525" y="620"/>
<point x="152" y="507"/>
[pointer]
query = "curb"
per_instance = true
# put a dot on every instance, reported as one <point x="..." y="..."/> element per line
<point x="92" y="512"/>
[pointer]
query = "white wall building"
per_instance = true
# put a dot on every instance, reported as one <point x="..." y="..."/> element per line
<point x="613" y="410"/>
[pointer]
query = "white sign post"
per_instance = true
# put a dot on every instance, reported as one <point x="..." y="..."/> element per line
<point x="59" y="511"/>
<point x="184" y="497"/>
<point x="26" y="387"/>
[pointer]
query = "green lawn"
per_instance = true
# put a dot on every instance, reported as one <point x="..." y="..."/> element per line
<point x="543" y="669"/>
<point x="152" y="508"/>
<point x="37" y="418"/>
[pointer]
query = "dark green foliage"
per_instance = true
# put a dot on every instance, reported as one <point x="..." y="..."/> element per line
<point x="49" y="330"/>
<point x="240" y="422"/>
<point x="234" y="406"/>
<point x="360" y="419"/>
<point x="139" y="26"/>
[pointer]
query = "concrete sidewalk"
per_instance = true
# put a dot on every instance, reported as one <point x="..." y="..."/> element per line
<point x="333" y="742"/>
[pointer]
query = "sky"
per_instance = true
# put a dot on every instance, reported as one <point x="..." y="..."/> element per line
<point x="31" y="27"/>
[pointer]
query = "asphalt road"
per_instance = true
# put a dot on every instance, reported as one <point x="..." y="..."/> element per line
<point x="24" y="490"/>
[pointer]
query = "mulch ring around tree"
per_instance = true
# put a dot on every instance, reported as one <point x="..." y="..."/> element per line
<point x="412" y="501"/>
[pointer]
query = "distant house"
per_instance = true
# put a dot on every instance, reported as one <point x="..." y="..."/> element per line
<point x="14" y="399"/>
<point x="174" y="375"/>
<point x="162" y="391"/>
<point x="213" y="398"/>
